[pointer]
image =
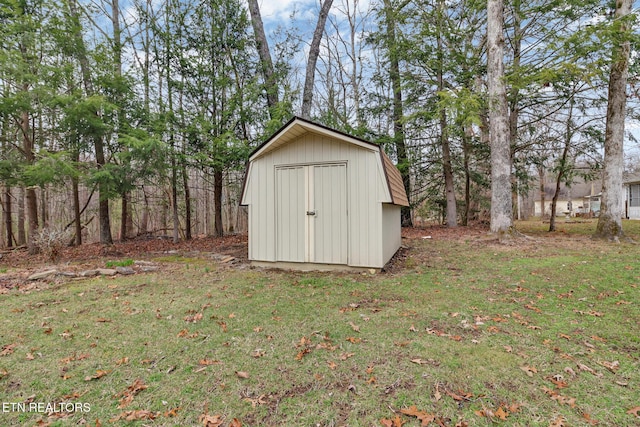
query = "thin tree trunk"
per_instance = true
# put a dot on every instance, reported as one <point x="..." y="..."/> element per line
<point x="31" y="196"/>
<point x="501" y="203"/>
<point x="466" y="150"/>
<point x="76" y="211"/>
<point x="449" y="188"/>
<point x="612" y="205"/>
<point x="543" y="195"/>
<point x="187" y="202"/>
<point x="7" y="216"/>
<point x="398" y="112"/>
<point x="217" y="201"/>
<point x="562" y="169"/>
<point x="22" y="233"/>
<point x="266" y="64"/>
<point x="314" y="51"/>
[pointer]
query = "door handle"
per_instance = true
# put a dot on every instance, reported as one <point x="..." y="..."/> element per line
<point x="311" y="212"/>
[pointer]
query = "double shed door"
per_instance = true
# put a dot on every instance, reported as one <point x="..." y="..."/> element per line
<point x="311" y="213"/>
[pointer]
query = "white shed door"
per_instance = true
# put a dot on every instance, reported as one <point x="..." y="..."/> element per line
<point x="311" y="214"/>
<point x="328" y="239"/>
<point x="291" y="227"/>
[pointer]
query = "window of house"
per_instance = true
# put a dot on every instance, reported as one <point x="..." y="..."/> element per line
<point x="634" y="195"/>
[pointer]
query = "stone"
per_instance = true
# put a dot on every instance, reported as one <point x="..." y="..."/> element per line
<point x="107" y="271"/>
<point x="125" y="271"/>
<point x="88" y="273"/>
<point x="42" y="275"/>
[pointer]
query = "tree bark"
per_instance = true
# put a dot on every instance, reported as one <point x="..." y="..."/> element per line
<point x="266" y="64"/>
<point x="501" y="203"/>
<point x="98" y="142"/>
<point x="612" y="204"/>
<point x="187" y="202"/>
<point x="398" y="111"/>
<point x="447" y="170"/>
<point x="7" y="216"/>
<point x="22" y="233"/>
<point x="217" y="202"/>
<point x="314" y="52"/>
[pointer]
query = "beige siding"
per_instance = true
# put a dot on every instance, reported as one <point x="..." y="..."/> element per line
<point x="366" y="189"/>
<point x="391" y="230"/>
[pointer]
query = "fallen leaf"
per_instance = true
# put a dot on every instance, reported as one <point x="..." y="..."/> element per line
<point x="242" y="374"/>
<point x="612" y="366"/>
<point x="355" y="327"/>
<point x="194" y="318"/>
<point x="211" y="420"/>
<point x="208" y="362"/>
<point x="30" y="356"/>
<point x="529" y="370"/>
<point x="424" y="417"/>
<point x="353" y="340"/>
<point x="99" y="374"/>
<point x="585" y="368"/>
<point x="558" y="422"/>
<point x="634" y="411"/>
<point x="501" y="413"/>
<point x="302" y="353"/>
<point x="123" y="361"/>
<point x="235" y="423"/>
<point x="135" y="415"/>
<point x="345" y="356"/>
<point x="332" y="365"/>
<point x="171" y="412"/>
<point x="8" y="349"/>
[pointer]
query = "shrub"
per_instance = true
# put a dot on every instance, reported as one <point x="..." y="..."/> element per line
<point x="50" y="241"/>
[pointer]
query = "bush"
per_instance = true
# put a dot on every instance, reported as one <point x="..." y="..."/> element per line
<point x="50" y="241"/>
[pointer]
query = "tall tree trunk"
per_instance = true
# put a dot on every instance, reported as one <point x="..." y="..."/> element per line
<point x="76" y="210"/>
<point x="22" y="233"/>
<point x="187" y="202"/>
<point x="314" y="51"/>
<point x="398" y="112"/>
<point x="542" y="186"/>
<point x="31" y="196"/>
<point x="98" y="142"/>
<point x="449" y="188"/>
<point x="612" y="204"/>
<point x="217" y="202"/>
<point x="562" y="169"/>
<point x="7" y="216"/>
<point x="266" y="64"/>
<point x="501" y="203"/>
<point x="466" y="150"/>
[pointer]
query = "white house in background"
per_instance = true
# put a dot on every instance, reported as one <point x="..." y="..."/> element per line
<point x="581" y="199"/>
<point x="321" y="199"/>
<point x="632" y="189"/>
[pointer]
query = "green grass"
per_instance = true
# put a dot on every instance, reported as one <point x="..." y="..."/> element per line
<point x="469" y="326"/>
<point x="119" y="263"/>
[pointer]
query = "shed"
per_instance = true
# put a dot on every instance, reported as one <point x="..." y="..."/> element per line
<point x="321" y="199"/>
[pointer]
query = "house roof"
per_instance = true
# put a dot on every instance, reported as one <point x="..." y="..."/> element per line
<point x="297" y="126"/>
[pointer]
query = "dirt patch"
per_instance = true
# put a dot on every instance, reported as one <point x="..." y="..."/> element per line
<point x="19" y="265"/>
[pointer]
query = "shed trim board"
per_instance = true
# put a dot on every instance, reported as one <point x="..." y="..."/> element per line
<point x="319" y="197"/>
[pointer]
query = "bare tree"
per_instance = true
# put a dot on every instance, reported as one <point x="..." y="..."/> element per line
<point x="611" y="211"/>
<point x="314" y="52"/>
<point x="265" y="56"/>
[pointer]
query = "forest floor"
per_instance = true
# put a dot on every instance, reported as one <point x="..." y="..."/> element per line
<point x="460" y="330"/>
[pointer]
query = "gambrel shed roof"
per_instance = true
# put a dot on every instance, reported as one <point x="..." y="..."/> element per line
<point x="297" y="127"/>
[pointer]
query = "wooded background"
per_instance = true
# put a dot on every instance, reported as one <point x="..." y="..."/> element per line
<point x="120" y="119"/>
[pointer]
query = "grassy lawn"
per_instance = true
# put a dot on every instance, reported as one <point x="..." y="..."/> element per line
<point x="541" y="332"/>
